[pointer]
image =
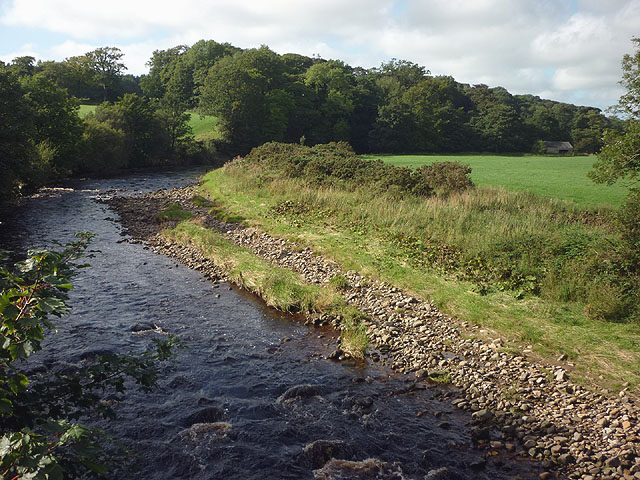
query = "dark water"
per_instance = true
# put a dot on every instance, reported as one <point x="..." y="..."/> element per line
<point x="241" y="358"/>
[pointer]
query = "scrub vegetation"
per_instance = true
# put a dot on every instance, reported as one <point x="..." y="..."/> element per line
<point x="541" y="271"/>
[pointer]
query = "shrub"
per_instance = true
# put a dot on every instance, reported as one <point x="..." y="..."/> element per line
<point x="102" y="148"/>
<point x="336" y="164"/>
<point x="447" y="177"/>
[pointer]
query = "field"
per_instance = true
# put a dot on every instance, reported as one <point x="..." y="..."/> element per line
<point x="452" y="251"/>
<point x="86" y="110"/>
<point x="558" y="177"/>
<point x="202" y="126"/>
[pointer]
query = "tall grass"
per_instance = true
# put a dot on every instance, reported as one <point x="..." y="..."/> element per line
<point x="541" y="271"/>
<point x="499" y="239"/>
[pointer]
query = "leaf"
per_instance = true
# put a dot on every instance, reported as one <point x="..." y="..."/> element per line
<point x="6" y="407"/>
<point x="18" y="383"/>
<point x="95" y="467"/>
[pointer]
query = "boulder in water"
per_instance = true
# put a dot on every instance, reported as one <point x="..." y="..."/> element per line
<point x="318" y="453"/>
<point x="206" y="415"/>
<point x="299" y="391"/>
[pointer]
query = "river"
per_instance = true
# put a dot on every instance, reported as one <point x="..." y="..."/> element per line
<point x="241" y="359"/>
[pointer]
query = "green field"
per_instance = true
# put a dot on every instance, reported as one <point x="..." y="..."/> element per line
<point x="559" y="177"/>
<point x="204" y="127"/>
<point x="86" y="110"/>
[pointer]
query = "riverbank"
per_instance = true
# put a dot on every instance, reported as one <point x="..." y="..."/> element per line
<point x="519" y="404"/>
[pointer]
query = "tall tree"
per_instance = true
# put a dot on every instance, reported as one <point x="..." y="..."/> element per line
<point x="16" y="130"/>
<point x="237" y="90"/>
<point x="108" y="68"/>
<point x="175" y="102"/>
<point x="620" y="157"/>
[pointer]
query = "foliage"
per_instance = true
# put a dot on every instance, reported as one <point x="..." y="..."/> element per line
<point x="16" y="130"/>
<point x="619" y="160"/>
<point x="103" y="148"/>
<point x="630" y="102"/>
<point x="620" y="157"/>
<point x="336" y="164"/>
<point x="498" y="241"/>
<point x="549" y="176"/>
<point x="447" y="177"/>
<point x="39" y="439"/>
<point x="174" y="212"/>
<point x="353" y="332"/>
<point x="106" y="65"/>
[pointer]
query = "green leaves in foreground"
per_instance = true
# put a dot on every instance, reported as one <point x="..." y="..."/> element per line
<point x="39" y="439"/>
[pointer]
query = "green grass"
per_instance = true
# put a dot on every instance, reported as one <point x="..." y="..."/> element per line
<point x="558" y="177"/>
<point x="356" y="230"/>
<point x="86" y="110"/>
<point x="204" y="127"/>
<point x="278" y="287"/>
<point x="174" y="212"/>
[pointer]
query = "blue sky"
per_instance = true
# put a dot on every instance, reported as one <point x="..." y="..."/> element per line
<point x="566" y="50"/>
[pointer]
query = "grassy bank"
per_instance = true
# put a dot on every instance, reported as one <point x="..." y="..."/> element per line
<point x="557" y="177"/>
<point x="428" y="246"/>
<point x="278" y="287"/>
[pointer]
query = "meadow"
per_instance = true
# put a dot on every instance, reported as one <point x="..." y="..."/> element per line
<point x="540" y="272"/>
<point x="203" y="127"/>
<point x="562" y="177"/>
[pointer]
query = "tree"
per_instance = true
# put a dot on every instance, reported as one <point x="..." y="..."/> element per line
<point x="237" y="90"/>
<point x="56" y="121"/>
<point x="619" y="159"/>
<point x="16" y="130"/>
<point x="145" y="135"/>
<point x="630" y="102"/>
<point x="175" y="102"/>
<point x="23" y="66"/>
<point x="107" y="67"/>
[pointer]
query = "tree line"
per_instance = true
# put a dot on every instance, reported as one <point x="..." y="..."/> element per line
<point x="399" y="107"/>
<point x="257" y="96"/>
<point x="43" y="137"/>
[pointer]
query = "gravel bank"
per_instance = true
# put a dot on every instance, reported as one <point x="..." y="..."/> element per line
<point x="518" y="404"/>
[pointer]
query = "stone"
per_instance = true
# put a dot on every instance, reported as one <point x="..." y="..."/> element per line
<point x="439" y="474"/>
<point x="318" y="453"/>
<point x="299" y="391"/>
<point x="482" y="415"/>
<point x="205" y="415"/>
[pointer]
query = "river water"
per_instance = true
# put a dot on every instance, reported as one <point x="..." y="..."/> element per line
<point x="220" y="410"/>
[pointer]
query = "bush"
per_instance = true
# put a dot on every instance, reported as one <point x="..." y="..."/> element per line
<point x="336" y="164"/>
<point x="102" y="148"/>
<point x="447" y="177"/>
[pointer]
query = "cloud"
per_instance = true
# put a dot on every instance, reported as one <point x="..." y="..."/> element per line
<point x="28" y="49"/>
<point x="512" y="43"/>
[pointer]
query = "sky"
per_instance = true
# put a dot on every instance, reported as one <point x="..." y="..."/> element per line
<point x="564" y="50"/>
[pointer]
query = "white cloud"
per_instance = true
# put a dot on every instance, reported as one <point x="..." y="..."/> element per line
<point x="539" y="47"/>
<point x="28" y="49"/>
